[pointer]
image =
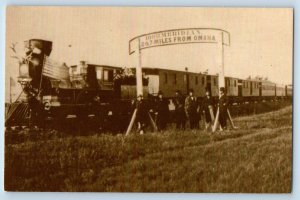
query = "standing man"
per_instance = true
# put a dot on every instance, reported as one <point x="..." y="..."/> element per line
<point x="142" y="114"/>
<point x="179" y="110"/>
<point x="223" y="105"/>
<point x="162" y="111"/>
<point x="208" y="110"/>
<point x="191" y="106"/>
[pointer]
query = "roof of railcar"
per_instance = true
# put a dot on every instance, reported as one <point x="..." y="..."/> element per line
<point x="155" y="70"/>
<point x="107" y="66"/>
<point x="170" y="70"/>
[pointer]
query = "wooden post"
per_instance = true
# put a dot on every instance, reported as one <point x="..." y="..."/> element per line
<point x="139" y="86"/>
<point x="211" y="112"/>
<point x="214" y="128"/>
<point x="131" y="122"/>
<point x="230" y="119"/>
<point x="152" y="122"/>
<point x="220" y="47"/>
<point x="139" y="75"/>
<point x="221" y="62"/>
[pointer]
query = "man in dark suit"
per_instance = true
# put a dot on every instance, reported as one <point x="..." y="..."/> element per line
<point x="162" y="111"/>
<point x="142" y="114"/>
<point x="179" y="110"/>
<point x="191" y="110"/>
<point x="223" y="105"/>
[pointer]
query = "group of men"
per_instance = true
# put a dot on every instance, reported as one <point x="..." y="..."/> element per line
<point x="187" y="109"/>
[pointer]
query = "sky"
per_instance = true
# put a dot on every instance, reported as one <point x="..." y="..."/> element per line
<point x="261" y="38"/>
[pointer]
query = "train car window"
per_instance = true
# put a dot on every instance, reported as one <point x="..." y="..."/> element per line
<point x="175" y="79"/>
<point x="105" y="75"/>
<point x="234" y="83"/>
<point x="203" y="80"/>
<point x="99" y="73"/>
<point x="166" y="78"/>
<point x="110" y="75"/>
<point x="196" y="80"/>
<point x="215" y="81"/>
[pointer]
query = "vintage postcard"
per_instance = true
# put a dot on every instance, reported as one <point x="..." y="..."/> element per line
<point x="149" y="99"/>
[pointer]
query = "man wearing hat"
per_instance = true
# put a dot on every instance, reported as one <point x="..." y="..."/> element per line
<point x="142" y="114"/>
<point x="223" y="108"/>
<point x="162" y="111"/>
<point x="179" y="110"/>
<point x="191" y="106"/>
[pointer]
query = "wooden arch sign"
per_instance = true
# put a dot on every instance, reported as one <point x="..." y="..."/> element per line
<point x="176" y="37"/>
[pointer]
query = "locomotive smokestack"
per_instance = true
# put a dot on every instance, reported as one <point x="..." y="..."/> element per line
<point x="36" y="50"/>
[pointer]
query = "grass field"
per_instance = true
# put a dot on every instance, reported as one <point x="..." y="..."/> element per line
<point x="255" y="158"/>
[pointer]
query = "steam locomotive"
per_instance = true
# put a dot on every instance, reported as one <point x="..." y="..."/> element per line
<point x="53" y="90"/>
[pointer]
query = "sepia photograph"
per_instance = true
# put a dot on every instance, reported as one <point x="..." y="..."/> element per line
<point x="148" y="99"/>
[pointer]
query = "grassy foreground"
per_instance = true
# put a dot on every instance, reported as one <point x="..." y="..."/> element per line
<point x="255" y="158"/>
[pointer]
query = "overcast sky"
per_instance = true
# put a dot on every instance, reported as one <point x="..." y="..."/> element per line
<point x="261" y="39"/>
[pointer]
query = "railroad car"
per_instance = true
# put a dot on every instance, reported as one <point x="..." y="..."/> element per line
<point x="85" y="90"/>
<point x="280" y="91"/>
<point x="212" y="85"/>
<point x="250" y="89"/>
<point x="238" y="90"/>
<point x="231" y="86"/>
<point x="268" y="90"/>
<point x="168" y="81"/>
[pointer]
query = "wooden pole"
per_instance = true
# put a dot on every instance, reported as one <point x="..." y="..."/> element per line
<point x="216" y="121"/>
<point x="131" y="122"/>
<point x="139" y="85"/>
<point x="220" y="48"/>
<point x="230" y="119"/>
<point x="211" y="112"/>
<point x="152" y="122"/>
<point x="139" y="75"/>
<point x="221" y="63"/>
